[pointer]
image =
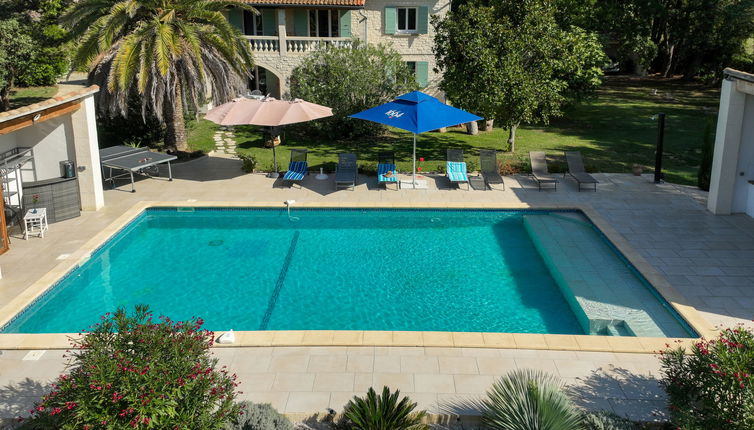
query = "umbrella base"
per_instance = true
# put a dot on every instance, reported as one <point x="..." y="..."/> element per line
<point x="417" y="185"/>
<point x="273" y="175"/>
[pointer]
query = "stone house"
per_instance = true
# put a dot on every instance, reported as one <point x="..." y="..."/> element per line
<point x="286" y="31"/>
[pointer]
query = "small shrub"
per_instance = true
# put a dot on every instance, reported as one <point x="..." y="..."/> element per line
<point x="130" y="371"/>
<point x="604" y="420"/>
<point x="528" y="399"/>
<point x="249" y="162"/>
<point x="472" y="166"/>
<point x="382" y="412"/>
<point x="712" y="387"/>
<point x="704" y="174"/>
<point x="368" y="168"/>
<point x="508" y="167"/>
<point x="256" y="416"/>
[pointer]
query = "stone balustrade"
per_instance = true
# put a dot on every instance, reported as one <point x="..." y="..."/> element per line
<point x="294" y="44"/>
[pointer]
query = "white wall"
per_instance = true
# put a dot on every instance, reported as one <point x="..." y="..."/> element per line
<point x="733" y="161"/>
<point x="51" y="142"/>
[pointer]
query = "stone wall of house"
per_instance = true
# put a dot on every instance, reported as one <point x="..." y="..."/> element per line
<point x="413" y="47"/>
<point x="367" y="24"/>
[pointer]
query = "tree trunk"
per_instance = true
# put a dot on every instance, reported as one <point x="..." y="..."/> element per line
<point x="512" y="138"/>
<point x="667" y="68"/>
<point x="472" y="128"/>
<point x="487" y="125"/>
<point x="5" y="96"/>
<point x="175" y="130"/>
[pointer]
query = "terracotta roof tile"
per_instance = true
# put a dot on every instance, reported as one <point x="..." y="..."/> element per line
<point x="341" y="3"/>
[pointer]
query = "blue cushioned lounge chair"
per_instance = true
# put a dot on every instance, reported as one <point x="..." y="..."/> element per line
<point x="455" y="168"/>
<point x="385" y="164"/>
<point x="297" y="168"/>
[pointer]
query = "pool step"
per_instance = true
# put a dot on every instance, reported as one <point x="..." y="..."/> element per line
<point x="607" y="297"/>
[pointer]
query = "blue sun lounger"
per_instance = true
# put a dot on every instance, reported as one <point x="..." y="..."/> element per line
<point x="385" y="164"/>
<point x="297" y="168"/>
<point x="455" y="168"/>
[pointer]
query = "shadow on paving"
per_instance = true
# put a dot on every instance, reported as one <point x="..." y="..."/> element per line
<point x="18" y="398"/>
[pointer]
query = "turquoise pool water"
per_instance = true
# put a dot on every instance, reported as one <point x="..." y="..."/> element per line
<point x="256" y="269"/>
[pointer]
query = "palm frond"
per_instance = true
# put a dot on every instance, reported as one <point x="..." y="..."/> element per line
<point x="527" y="399"/>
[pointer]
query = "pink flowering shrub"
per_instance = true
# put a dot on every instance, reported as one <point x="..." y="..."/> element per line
<point x="711" y="387"/>
<point x="130" y="371"/>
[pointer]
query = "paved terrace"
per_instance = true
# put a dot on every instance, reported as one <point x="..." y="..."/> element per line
<point x="707" y="259"/>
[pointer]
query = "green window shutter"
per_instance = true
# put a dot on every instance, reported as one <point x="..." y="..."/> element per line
<point x="423" y="19"/>
<point x="390" y="19"/>
<point x="345" y="23"/>
<point x="422" y="73"/>
<point x="301" y="22"/>
<point x="269" y="22"/>
<point x="235" y="18"/>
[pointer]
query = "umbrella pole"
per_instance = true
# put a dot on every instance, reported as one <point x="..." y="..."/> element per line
<point x="413" y="179"/>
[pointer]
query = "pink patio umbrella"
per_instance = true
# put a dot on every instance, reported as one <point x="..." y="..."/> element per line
<point x="266" y="111"/>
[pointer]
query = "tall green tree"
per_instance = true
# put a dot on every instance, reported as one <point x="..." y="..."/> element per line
<point x="514" y="62"/>
<point x="49" y="57"/>
<point x="688" y="37"/>
<point x="351" y="79"/>
<point x="16" y="50"/>
<point x="172" y="53"/>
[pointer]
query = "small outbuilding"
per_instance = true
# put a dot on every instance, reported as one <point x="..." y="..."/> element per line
<point x="49" y="158"/>
<point x="732" y="180"/>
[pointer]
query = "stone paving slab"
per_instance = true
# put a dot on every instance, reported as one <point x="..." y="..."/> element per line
<point x="304" y="380"/>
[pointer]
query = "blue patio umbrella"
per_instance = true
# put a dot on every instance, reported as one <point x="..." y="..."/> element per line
<point x="416" y="112"/>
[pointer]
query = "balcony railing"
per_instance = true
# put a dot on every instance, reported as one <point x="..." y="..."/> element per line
<point x="294" y="44"/>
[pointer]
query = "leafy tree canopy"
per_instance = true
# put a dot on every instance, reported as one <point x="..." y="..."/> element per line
<point x="16" y="50"/>
<point x="351" y="80"/>
<point x="513" y="61"/>
<point x="689" y="37"/>
<point x="172" y="53"/>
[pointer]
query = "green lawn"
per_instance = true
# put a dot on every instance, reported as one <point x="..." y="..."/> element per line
<point x="614" y="131"/>
<point x="26" y="96"/>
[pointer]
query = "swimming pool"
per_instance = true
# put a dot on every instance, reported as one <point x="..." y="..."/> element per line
<point x="346" y="269"/>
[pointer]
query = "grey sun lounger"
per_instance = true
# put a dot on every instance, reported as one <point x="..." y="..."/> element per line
<point x="539" y="170"/>
<point x="347" y="171"/>
<point x="577" y="171"/>
<point x="489" y="169"/>
<point x="456" y="168"/>
<point x="132" y="160"/>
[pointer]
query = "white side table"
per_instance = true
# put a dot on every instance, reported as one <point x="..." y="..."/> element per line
<point x="35" y="221"/>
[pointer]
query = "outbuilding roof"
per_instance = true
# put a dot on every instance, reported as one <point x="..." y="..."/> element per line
<point x="46" y="104"/>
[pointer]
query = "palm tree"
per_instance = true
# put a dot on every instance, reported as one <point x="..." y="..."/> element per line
<point x="171" y="53"/>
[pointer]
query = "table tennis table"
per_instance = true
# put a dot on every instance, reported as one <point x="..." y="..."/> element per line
<point x="132" y="160"/>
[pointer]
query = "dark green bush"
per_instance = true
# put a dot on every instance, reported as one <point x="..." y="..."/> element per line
<point x="249" y="162"/>
<point x="604" y="420"/>
<point x="708" y="150"/>
<point x="130" y="371"/>
<point x="711" y="387"/>
<point x="382" y="412"/>
<point x="256" y="416"/>
<point x="350" y="80"/>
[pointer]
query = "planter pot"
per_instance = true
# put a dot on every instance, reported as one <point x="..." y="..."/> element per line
<point x="637" y="170"/>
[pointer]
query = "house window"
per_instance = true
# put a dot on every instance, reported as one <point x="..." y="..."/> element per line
<point x="407" y="19"/>
<point x="323" y="23"/>
<point x="411" y="66"/>
<point x="252" y="24"/>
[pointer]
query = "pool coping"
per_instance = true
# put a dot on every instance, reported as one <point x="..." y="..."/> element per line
<point x="378" y="338"/>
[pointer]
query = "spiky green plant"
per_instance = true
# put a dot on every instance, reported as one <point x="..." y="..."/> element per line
<point x="172" y="53"/>
<point x="384" y="412"/>
<point x="529" y="400"/>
